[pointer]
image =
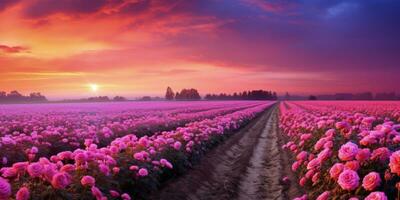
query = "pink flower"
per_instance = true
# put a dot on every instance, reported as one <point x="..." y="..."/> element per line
<point x="34" y="150"/>
<point x="395" y="163"/>
<point x="23" y="194"/>
<point x="96" y="192"/>
<point x="382" y="154"/>
<point x="177" y="145"/>
<point x="5" y="189"/>
<point x="348" y="151"/>
<point x="310" y="173"/>
<point x="315" y="177"/>
<point x="296" y="166"/>
<point x="116" y="170"/>
<point x="88" y="181"/>
<point x="61" y="180"/>
<point x="9" y="172"/>
<point x="341" y="125"/>
<point x="313" y="164"/>
<point x="133" y="168"/>
<point x="80" y="158"/>
<point x="328" y="145"/>
<point x="125" y="196"/>
<point x="353" y="165"/>
<point x="303" y="181"/>
<point x="371" y="181"/>
<point x="304" y="197"/>
<point x="49" y="171"/>
<point x="363" y="155"/>
<point x="348" y="180"/>
<point x="336" y="170"/>
<point x="114" y="193"/>
<point x="35" y="169"/>
<point x="324" y="196"/>
<point x="138" y="156"/>
<point x="165" y="163"/>
<point x="302" y="155"/>
<point x="104" y="169"/>
<point x="376" y="196"/>
<point x="69" y="168"/>
<point x="20" y="166"/>
<point x="324" y="155"/>
<point x="368" y="140"/>
<point x="143" y="172"/>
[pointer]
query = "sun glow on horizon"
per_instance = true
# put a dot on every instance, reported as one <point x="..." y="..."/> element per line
<point x="93" y="87"/>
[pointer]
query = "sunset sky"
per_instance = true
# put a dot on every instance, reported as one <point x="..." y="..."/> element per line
<point x="133" y="48"/>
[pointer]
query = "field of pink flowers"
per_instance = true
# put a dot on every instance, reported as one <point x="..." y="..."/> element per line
<point x="344" y="150"/>
<point x="111" y="150"/>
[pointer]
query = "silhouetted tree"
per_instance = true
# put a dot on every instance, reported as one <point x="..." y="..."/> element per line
<point x="169" y="95"/>
<point x="188" y="94"/>
<point x="16" y="97"/>
<point x="287" y="96"/>
<point x="312" y="97"/>
<point x="98" y="99"/>
<point x="146" y="98"/>
<point x="246" y="95"/>
<point x="119" y="98"/>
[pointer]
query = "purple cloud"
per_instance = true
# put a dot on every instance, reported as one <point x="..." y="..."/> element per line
<point x="41" y="8"/>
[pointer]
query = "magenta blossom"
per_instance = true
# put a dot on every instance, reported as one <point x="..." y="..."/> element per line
<point x="371" y="181"/>
<point x="376" y="196"/>
<point x="348" y="151"/>
<point x="349" y="180"/>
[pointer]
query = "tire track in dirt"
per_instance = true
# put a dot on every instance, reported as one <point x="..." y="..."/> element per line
<point x="263" y="174"/>
<point x="248" y="165"/>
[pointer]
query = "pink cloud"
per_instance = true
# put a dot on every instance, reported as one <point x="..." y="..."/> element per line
<point x="13" y="49"/>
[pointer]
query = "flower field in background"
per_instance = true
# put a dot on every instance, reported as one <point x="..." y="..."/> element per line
<point x="344" y="150"/>
<point x="67" y="127"/>
<point x="108" y="151"/>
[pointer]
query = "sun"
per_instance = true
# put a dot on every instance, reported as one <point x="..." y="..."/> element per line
<point x="93" y="87"/>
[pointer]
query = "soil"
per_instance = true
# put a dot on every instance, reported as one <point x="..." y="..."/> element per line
<point x="248" y="165"/>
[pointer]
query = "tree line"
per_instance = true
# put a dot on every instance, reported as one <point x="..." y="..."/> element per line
<point x="193" y="94"/>
<point x="245" y="95"/>
<point x="16" y="97"/>
<point x="184" y="94"/>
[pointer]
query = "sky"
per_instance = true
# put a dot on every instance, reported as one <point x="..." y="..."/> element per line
<point x="139" y="47"/>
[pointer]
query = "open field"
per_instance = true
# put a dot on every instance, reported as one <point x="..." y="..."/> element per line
<point x="201" y="150"/>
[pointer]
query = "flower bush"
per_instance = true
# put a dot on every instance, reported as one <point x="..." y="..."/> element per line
<point x="344" y="150"/>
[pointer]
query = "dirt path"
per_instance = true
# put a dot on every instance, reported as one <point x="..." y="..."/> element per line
<point x="248" y="165"/>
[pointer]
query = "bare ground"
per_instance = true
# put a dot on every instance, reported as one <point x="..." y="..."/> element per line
<point x="248" y="165"/>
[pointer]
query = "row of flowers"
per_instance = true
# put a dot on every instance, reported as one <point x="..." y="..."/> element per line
<point x="31" y="134"/>
<point x="129" y="167"/>
<point x="343" y="153"/>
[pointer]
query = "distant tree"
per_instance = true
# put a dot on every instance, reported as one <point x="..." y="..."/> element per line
<point x="287" y="96"/>
<point x="98" y="99"/>
<point x="119" y="98"/>
<point x="16" y="97"/>
<point x="312" y="97"/>
<point x="188" y="94"/>
<point x="246" y="95"/>
<point x="146" y="98"/>
<point x="169" y="95"/>
<point x="37" y="97"/>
